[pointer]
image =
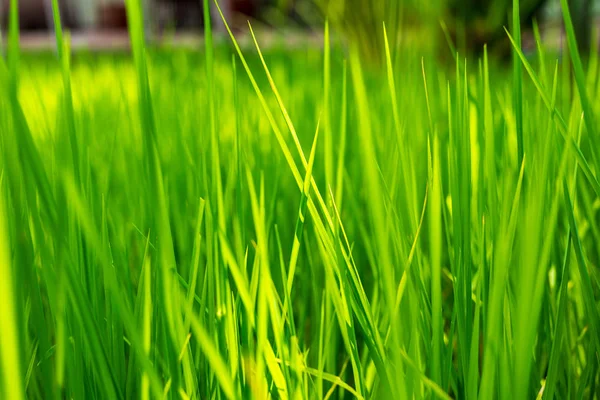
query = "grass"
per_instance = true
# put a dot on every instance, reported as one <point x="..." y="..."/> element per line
<point x="249" y="223"/>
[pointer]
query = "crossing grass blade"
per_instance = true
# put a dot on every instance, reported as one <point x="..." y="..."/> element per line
<point x="588" y="111"/>
<point x="585" y="167"/>
<point x="273" y="124"/>
<point x="541" y="53"/>
<point x="301" y="215"/>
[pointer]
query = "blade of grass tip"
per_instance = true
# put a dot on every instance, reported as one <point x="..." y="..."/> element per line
<point x="301" y="214"/>
<point x="278" y="135"/>
<point x="274" y="126"/>
<point x="590" y="118"/>
<point x="339" y="181"/>
<point x="290" y="126"/>
<point x="282" y="107"/>
<point x="325" y="211"/>
<point x="289" y="159"/>
<point x="11" y="344"/>
<point x="541" y="53"/>
<point x="449" y="41"/>
<point x="327" y="134"/>
<point x="518" y="79"/>
<point x="58" y="31"/>
<point x="562" y="126"/>
<point x="393" y="97"/>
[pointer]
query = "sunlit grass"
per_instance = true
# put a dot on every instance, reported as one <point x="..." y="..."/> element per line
<point x="229" y="223"/>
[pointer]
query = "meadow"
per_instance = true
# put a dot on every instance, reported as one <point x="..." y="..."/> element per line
<point x="228" y="222"/>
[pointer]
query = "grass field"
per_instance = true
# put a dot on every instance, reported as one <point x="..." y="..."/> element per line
<point x="220" y="224"/>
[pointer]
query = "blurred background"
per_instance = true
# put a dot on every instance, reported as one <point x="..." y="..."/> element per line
<point x="468" y="23"/>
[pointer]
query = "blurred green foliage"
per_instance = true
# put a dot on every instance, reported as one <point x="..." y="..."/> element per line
<point x="470" y="23"/>
<point x="361" y="22"/>
<point x="476" y="22"/>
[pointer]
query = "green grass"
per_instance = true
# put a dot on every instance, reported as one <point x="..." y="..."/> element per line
<point x="296" y="223"/>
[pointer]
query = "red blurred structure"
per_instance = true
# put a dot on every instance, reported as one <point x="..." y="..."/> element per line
<point x="36" y="15"/>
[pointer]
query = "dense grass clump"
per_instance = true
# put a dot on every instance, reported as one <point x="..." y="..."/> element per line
<point x="290" y="224"/>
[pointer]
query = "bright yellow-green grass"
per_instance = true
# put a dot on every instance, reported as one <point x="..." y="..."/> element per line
<point x="223" y="223"/>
